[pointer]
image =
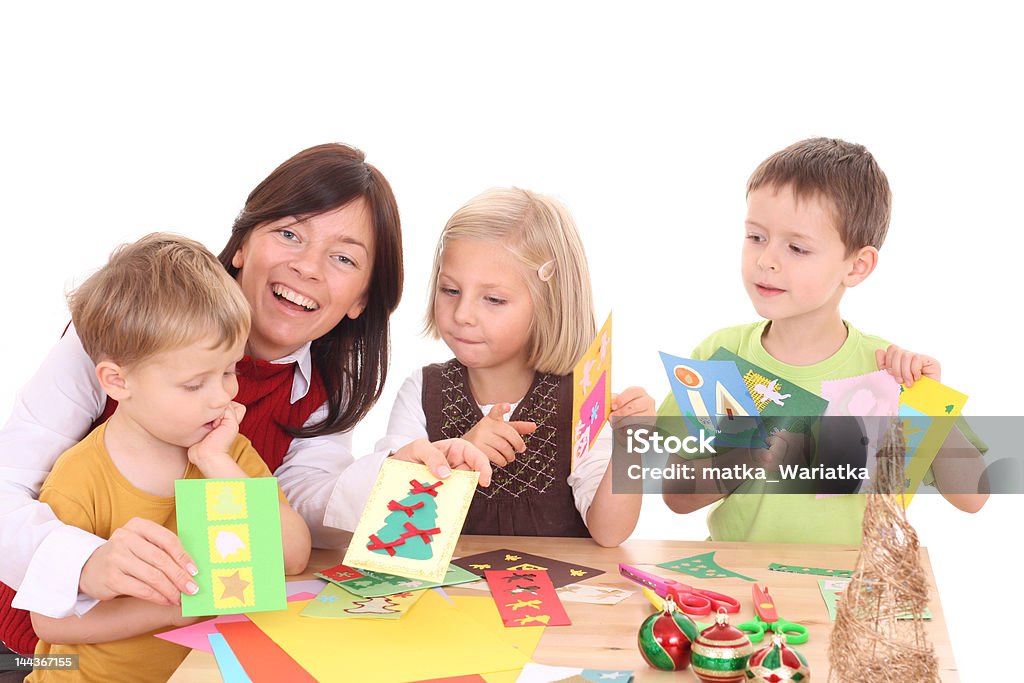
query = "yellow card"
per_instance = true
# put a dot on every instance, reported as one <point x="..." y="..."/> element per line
<point x="412" y="521"/>
<point x="592" y="392"/>
<point x="926" y="399"/>
<point x="433" y="640"/>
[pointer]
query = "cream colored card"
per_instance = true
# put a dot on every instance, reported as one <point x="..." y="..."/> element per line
<point x="412" y="521"/>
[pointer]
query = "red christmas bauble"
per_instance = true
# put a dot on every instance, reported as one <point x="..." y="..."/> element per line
<point x="720" y="652"/>
<point x="664" y="639"/>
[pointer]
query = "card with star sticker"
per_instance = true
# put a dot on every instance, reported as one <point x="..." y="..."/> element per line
<point x="592" y="393"/>
<point x="561" y="573"/>
<point x="526" y="598"/>
<point x="369" y="584"/>
<point x="232" y="530"/>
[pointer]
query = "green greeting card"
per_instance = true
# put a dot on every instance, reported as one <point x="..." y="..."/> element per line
<point x="376" y="584"/>
<point x="232" y="530"/>
<point x="335" y="602"/>
<point x="776" y="396"/>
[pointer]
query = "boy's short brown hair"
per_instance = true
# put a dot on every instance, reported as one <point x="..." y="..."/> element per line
<point x="843" y="172"/>
<point x="162" y="292"/>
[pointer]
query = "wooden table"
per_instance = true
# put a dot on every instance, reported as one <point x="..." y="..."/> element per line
<point x="604" y="636"/>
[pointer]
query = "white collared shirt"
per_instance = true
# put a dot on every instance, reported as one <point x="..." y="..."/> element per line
<point x="43" y="558"/>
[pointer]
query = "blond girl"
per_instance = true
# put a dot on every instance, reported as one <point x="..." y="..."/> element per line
<point x="510" y="296"/>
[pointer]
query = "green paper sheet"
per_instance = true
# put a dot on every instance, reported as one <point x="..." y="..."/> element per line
<point x="378" y="584"/>
<point x="776" y="396"/>
<point x="702" y="567"/>
<point x="232" y="530"/>
<point x="794" y="569"/>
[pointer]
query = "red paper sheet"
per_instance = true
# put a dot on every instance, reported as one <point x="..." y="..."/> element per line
<point x="263" y="660"/>
<point x="526" y="598"/>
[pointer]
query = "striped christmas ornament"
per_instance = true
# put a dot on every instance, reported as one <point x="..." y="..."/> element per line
<point x="720" y="652"/>
<point x="664" y="639"/>
<point x="777" y="663"/>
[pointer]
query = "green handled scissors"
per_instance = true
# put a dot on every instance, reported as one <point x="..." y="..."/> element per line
<point x="767" y="619"/>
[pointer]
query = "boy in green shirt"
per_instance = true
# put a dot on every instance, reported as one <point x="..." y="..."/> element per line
<point x="817" y="214"/>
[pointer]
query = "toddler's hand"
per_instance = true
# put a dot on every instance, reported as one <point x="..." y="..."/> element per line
<point x="499" y="440"/>
<point x="218" y="442"/>
<point x="907" y="367"/>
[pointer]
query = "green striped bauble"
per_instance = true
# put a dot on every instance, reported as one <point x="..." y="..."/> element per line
<point x="720" y="653"/>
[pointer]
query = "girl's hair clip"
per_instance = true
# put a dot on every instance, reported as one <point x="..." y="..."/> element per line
<point x="546" y="271"/>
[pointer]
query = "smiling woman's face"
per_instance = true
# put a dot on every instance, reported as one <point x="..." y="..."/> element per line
<point x="302" y="278"/>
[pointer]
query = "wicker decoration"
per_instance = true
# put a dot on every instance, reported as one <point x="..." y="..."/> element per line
<point x="870" y="642"/>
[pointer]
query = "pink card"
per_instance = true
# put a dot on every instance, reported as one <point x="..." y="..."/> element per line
<point x="526" y="598"/>
<point x="873" y="394"/>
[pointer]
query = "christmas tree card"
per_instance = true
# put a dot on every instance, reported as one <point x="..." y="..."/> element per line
<point x="526" y="598"/>
<point x="714" y="399"/>
<point x="232" y="530"/>
<point x="561" y="573"/>
<point x="411" y="522"/>
<point x="335" y="602"/>
<point x="592" y="393"/>
<point x="375" y="584"/>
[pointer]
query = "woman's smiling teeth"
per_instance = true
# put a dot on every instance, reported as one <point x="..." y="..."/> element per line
<point x="282" y="292"/>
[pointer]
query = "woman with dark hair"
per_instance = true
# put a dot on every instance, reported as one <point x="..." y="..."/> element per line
<point x="317" y="252"/>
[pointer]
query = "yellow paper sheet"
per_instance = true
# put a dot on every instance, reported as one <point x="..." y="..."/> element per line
<point x="526" y="639"/>
<point x="933" y="399"/>
<point x="434" y="639"/>
<point x="483" y="610"/>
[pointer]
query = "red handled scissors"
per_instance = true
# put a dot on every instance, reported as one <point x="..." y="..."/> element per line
<point x="694" y="601"/>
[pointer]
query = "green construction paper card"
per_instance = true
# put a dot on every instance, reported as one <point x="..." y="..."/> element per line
<point x="702" y="567"/>
<point x="832" y="589"/>
<point x="378" y="584"/>
<point x="232" y="530"/>
<point x="776" y="396"/>
<point x="795" y="569"/>
<point x="335" y="602"/>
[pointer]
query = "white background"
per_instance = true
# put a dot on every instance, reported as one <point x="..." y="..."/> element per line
<point x="646" y="122"/>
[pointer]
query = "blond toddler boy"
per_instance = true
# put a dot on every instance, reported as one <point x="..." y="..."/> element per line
<point x="165" y="325"/>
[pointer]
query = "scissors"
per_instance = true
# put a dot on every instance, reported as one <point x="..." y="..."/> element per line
<point x="767" y="619"/>
<point x="694" y="601"/>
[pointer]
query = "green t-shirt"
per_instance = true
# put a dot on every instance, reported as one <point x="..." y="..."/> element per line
<point x="788" y="518"/>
